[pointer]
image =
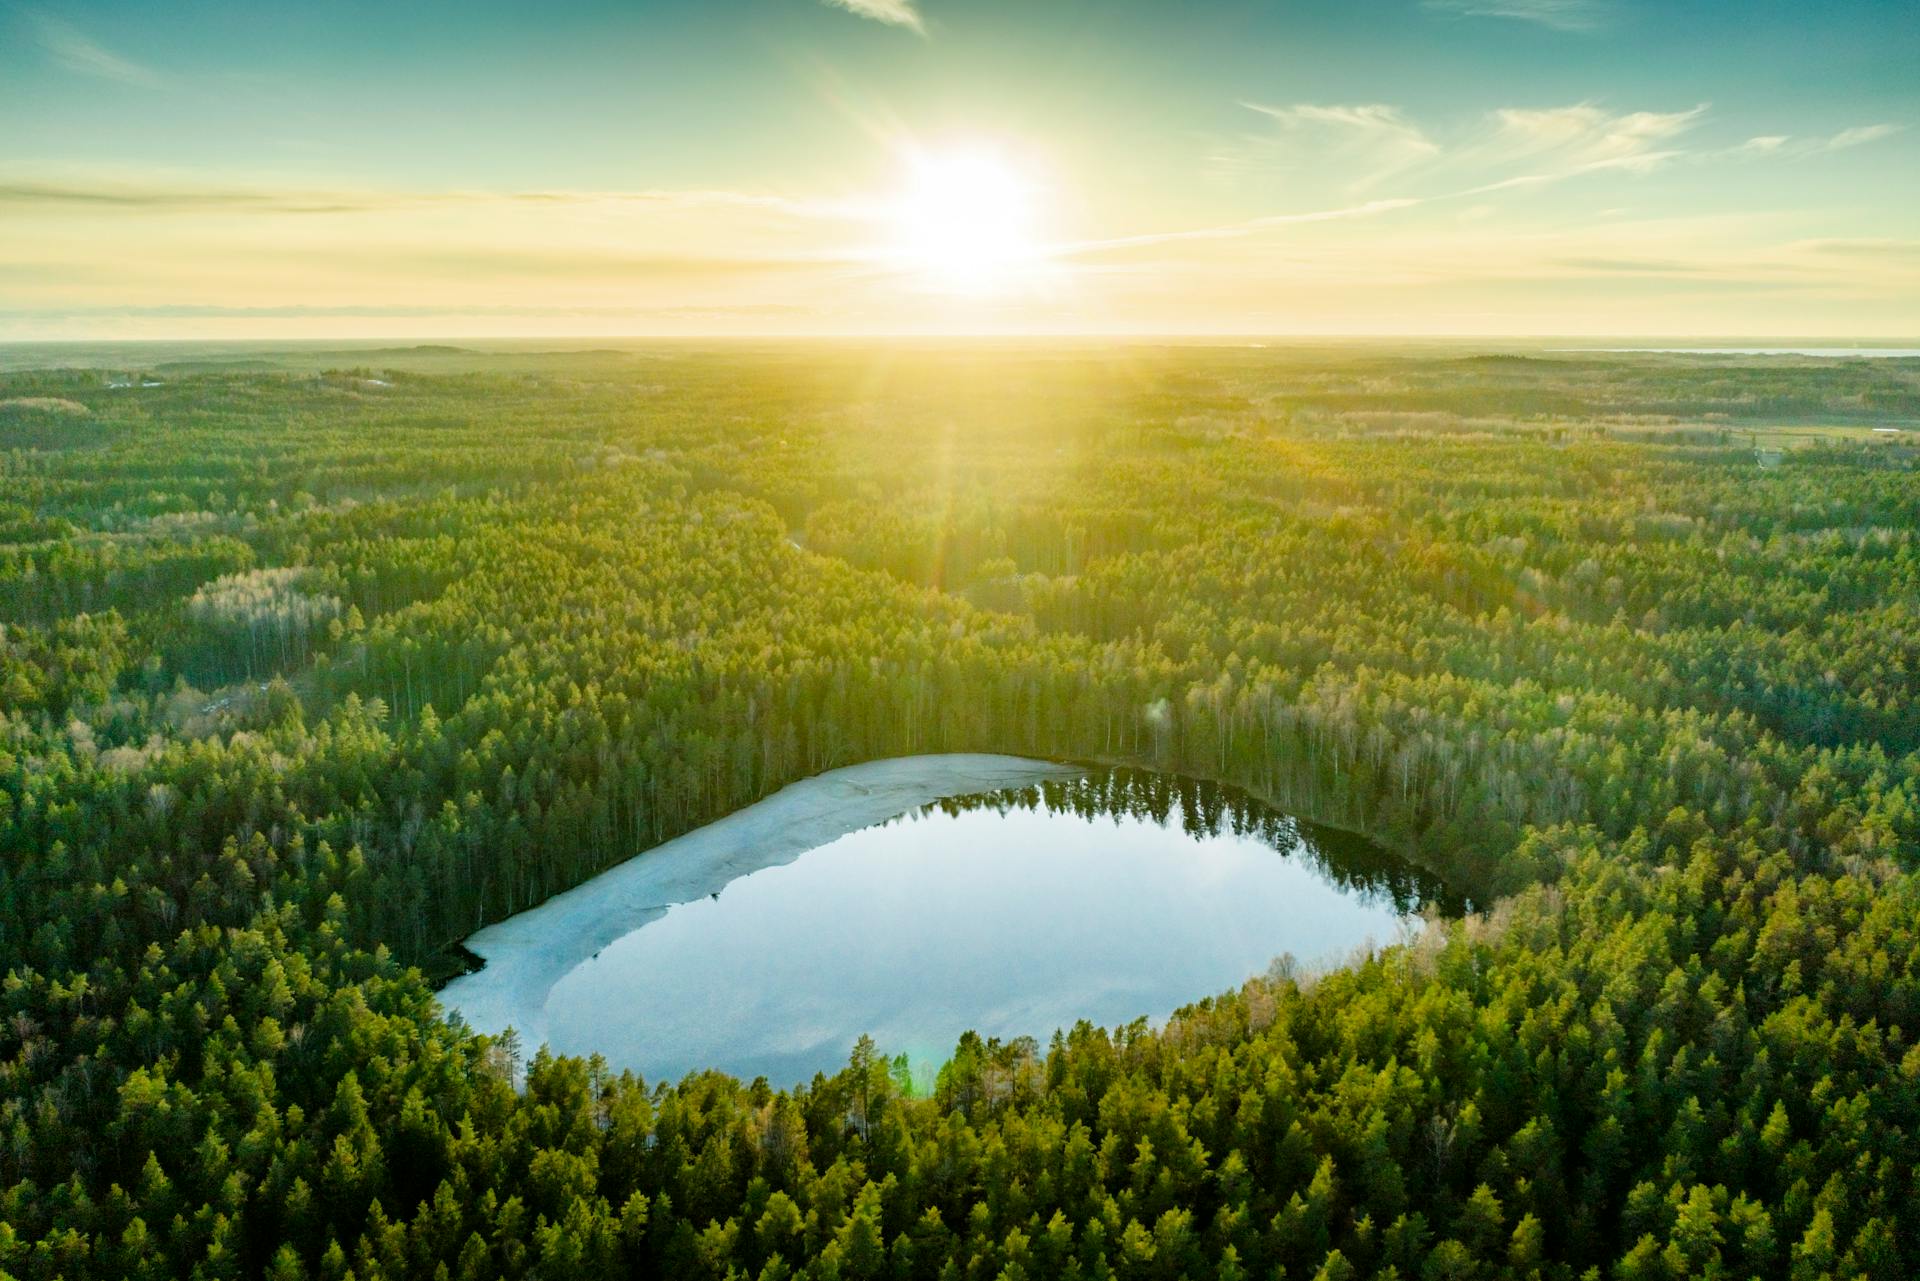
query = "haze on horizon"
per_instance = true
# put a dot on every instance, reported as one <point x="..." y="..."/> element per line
<point x="816" y="167"/>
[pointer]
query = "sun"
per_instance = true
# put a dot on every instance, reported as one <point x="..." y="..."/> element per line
<point x="965" y="221"/>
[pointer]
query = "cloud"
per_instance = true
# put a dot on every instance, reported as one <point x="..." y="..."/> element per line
<point x="1560" y="15"/>
<point x="602" y="263"/>
<point x="1358" y="148"/>
<point x="1373" y="119"/>
<point x="110" y="196"/>
<point x="1707" y="252"/>
<point x="1884" y="248"/>
<point x="302" y="311"/>
<point x="138" y="195"/>
<point x="1860" y="135"/>
<point x="179" y="238"/>
<point x="895" y="13"/>
<point x="69" y="47"/>
<point x="1510" y="149"/>
<point x="1604" y="266"/>
<point x="1585" y="137"/>
<point x="1786" y="147"/>
<point x="1234" y="230"/>
<point x="1525" y="148"/>
<point x="1362" y="144"/>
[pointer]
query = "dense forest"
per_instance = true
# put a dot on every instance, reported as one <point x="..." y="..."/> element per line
<point x="313" y="663"/>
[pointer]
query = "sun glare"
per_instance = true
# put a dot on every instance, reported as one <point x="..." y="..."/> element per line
<point x="965" y="222"/>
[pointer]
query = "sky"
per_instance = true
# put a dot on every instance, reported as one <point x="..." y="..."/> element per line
<point x="212" y="168"/>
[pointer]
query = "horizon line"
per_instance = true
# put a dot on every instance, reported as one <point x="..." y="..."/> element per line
<point x="438" y="339"/>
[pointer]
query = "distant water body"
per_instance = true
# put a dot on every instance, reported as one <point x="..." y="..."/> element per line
<point x="1837" y="353"/>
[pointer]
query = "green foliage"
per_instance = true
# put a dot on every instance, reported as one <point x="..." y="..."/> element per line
<point x="303" y="678"/>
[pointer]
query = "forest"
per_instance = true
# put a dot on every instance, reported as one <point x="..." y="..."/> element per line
<point x="313" y="662"/>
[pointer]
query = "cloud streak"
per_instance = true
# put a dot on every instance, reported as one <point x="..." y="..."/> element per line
<point x="71" y="48"/>
<point x="1786" y="147"/>
<point x="1860" y="135"/>
<point x="1233" y="230"/>
<point x="1548" y="146"/>
<point x="1374" y="125"/>
<point x="1360" y="147"/>
<point x="1585" y="137"/>
<point x="302" y="311"/>
<point x="894" y="13"/>
<point x="29" y="195"/>
<point x="1559" y="15"/>
<point x="1320" y="138"/>
<point x="1367" y="118"/>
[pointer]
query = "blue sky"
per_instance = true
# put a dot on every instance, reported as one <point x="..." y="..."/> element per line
<point x="1427" y="166"/>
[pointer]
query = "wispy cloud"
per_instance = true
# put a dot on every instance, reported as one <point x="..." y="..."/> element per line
<point x="602" y="263"/>
<point x="1510" y="149"/>
<point x="1368" y="120"/>
<point x="895" y="13"/>
<point x="1233" y="230"/>
<point x="302" y="311"/>
<point x="1560" y="15"/>
<point x="1370" y="142"/>
<point x="1860" y="135"/>
<point x="1881" y="247"/>
<point x="1786" y="147"/>
<point x="106" y="197"/>
<point x="136" y="195"/>
<point x="1358" y="148"/>
<point x="69" y="47"/>
<point x="1585" y="137"/>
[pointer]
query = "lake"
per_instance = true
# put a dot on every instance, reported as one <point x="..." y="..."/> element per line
<point x="1050" y="895"/>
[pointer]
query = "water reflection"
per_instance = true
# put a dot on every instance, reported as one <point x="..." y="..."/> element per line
<point x="1012" y="913"/>
<point x="1203" y="809"/>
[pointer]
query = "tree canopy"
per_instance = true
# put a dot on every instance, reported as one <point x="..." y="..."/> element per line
<point x="306" y="676"/>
